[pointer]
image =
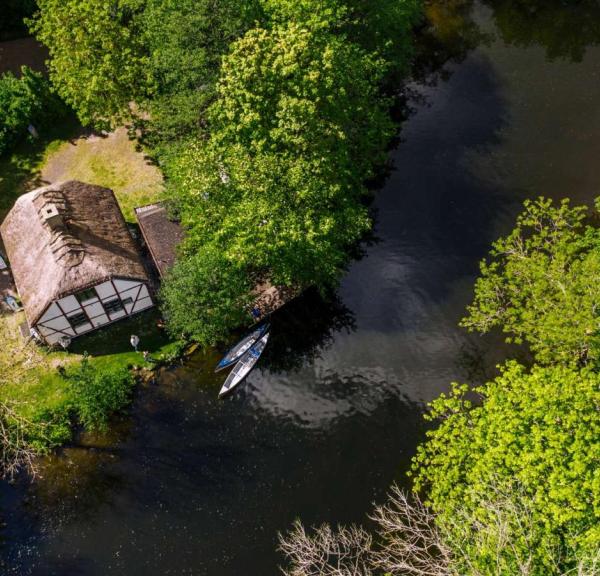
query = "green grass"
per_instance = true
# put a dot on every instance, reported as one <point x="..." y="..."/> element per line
<point x="111" y="161"/>
<point x="31" y="376"/>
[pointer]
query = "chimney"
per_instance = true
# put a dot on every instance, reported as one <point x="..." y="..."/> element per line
<point x="52" y="217"/>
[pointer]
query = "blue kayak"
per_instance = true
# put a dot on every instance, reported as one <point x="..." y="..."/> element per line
<point x="245" y="364"/>
<point x="237" y="351"/>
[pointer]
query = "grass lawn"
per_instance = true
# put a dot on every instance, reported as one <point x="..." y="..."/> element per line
<point x="29" y="374"/>
<point x="66" y="154"/>
<point x="20" y="169"/>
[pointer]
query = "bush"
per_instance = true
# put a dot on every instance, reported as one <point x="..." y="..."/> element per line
<point x="97" y="394"/>
<point x="204" y="295"/>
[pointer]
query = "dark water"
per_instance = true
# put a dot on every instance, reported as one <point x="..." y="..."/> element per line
<point x="192" y="485"/>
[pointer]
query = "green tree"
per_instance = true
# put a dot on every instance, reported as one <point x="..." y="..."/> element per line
<point x="384" y="27"/>
<point x="23" y="101"/>
<point x="535" y="438"/>
<point x="276" y="191"/>
<point x="541" y="284"/>
<point x="204" y="296"/>
<point x="273" y="214"/>
<point x="185" y="40"/>
<point x="304" y="91"/>
<point x="98" y="63"/>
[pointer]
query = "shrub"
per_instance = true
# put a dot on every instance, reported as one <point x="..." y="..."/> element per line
<point x="97" y="394"/>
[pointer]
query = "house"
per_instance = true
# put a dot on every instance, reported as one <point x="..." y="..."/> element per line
<point x="74" y="262"/>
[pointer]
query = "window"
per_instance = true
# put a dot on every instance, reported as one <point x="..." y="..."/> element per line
<point x="127" y="301"/>
<point x="86" y="295"/>
<point x="77" y="320"/>
<point x="113" y="306"/>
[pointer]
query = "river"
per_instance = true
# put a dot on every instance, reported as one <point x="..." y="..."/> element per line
<point x="189" y="484"/>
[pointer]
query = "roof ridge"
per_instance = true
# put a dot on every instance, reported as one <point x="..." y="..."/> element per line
<point x="53" y="211"/>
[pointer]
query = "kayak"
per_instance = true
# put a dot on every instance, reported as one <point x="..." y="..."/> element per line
<point x="235" y="353"/>
<point x="243" y="367"/>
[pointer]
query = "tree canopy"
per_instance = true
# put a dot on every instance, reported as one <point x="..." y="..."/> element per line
<point x="98" y="61"/>
<point x="185" y="40"/>
<point x="541" y="284"/>
<point x="266" y="117"/>
<point x="204" y="296"/>
<point x="296" y="128"/>
<point x="535" y="437"/>
<point x="24" y="101"/>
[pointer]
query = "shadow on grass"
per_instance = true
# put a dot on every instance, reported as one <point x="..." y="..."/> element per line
<point x="20" y="168"/>
<point x="114" y="340"/>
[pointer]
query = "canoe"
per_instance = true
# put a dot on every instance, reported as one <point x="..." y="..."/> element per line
<point x="245" y="364"/>
<point x="235" y="353"/>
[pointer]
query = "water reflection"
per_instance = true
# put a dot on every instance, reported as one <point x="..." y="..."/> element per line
<point x="564" y="29"/>
<point x="449" y="33"/>
<point x="304" y="329"/>
<point x="191" y="472"/>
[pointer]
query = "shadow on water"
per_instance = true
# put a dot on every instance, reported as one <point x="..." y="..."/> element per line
<point x="303" y="329"/>
<point x="191" y="472"/>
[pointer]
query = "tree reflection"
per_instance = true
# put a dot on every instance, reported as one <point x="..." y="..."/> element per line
<point x="564" y="29"/>
<point x="449" y="33"/>
<point x="303" y="328"/>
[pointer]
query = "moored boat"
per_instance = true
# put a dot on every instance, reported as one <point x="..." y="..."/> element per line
<point x="245" y="364"/>
<point x="237" y="351"/>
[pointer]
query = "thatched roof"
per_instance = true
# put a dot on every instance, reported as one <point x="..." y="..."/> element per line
<point x="64" y="238"/>
<point x="162" y="235"/>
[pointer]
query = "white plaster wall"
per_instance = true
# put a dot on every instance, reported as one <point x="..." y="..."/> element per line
<point x="143" y="304"/>
<point x="69" y="304"/>
<point x="83" y="328"/>
<point x="52" y="312"/>
<point x="105" y="290"/>
<point x="100" y="320"/>
<point x="94" y="309"/>
<point x="123" y="285"/>
<point x="54" y="319"/>
<point x="60" y="323"/>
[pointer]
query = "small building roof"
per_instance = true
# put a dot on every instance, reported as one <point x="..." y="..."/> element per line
<point x="64" y="238"/>
<point x="162" y="235"/>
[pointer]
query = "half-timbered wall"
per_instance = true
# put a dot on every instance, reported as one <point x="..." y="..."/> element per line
<point x="90" y="309"/>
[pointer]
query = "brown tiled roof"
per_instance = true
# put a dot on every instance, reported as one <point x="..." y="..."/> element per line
<point x="162" y="235"/>
<point x="86" y="243"/>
